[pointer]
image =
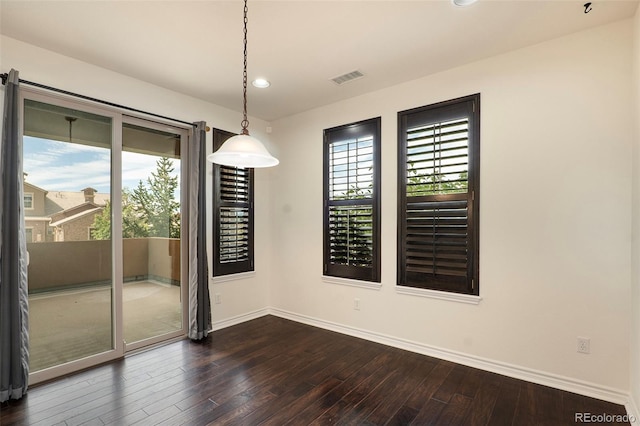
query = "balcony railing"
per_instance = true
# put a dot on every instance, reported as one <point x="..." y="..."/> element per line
<point x="75" y="264"/>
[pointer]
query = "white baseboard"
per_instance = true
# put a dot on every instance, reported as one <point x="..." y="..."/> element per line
<point x="518" y="372"/>
<point x="632" y="409"/>
<point x="238" y="319"/>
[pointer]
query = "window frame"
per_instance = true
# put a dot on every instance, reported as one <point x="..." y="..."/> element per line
<point x="333" y="135"/>
<point x="434" y="113"/>
<point x="221" y="269"/>
<point x="32" y="201"/>
<point x="27" y="230"/>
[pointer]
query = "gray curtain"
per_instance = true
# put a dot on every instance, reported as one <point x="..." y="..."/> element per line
<point x="14" y="327"/>
<point x="199" y="303"/>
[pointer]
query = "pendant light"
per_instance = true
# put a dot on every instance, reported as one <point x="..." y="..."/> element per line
<point x="243" y="150"/>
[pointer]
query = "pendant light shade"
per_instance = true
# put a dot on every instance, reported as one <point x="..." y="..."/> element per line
<point x="243" y="151"/>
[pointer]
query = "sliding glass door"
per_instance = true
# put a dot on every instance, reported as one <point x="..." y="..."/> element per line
<point x="67" y="158"/>
<point x="103" y="218"/>
<point x="151" y="231"/>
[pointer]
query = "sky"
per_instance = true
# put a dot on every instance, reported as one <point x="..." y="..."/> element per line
<point x="64" y="166"/>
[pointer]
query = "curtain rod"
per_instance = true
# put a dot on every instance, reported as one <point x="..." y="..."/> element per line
<point x="88" y="98"/>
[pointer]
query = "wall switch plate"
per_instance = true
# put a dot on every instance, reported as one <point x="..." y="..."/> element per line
<point x="217" y="298"/>
<point x="356" y="304"/>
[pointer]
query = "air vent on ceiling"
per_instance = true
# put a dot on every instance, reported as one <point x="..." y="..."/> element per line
<point x="345" y="78"/>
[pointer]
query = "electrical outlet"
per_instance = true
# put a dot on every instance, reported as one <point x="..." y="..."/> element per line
<point x="356" y="304"/>
<point x="584" y="345"/>
<point x="217" y="298"/>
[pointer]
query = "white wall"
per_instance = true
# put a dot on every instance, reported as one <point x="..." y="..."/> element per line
<point x="556" y="204"/>
<point x="555" y="212"/>
<point x="42" y="66"/>
<point x="635" y="252"/>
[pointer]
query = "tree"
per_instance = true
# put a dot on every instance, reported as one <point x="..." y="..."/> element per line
<point x="133" y="226"/>
<point x="150" y="210"/>
<point x="101" y="229"/>
<point x="156" y="203"/>
<point x="432" y="184"/>
<point x="351" y="228"/>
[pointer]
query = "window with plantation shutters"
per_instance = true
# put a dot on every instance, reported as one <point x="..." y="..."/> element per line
<point x="232" y="215"/>
<point x="352" y="201"/>
<point x="438" y="199"/>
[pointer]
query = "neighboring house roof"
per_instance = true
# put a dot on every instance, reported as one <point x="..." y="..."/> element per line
<point x="76" y="216"/>
<point x="66" y="206"/>
<point x="57" y="201"/>
<point x="37" y="188"/>
<point x="56" y="217"/>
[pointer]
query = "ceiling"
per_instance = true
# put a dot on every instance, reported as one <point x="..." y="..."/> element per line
<point x="195" y="47"/>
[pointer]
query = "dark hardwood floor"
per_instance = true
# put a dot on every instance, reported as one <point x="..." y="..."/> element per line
<point x="276" y="372"/>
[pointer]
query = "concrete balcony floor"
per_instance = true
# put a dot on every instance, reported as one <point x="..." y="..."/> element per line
<point x="69" y="325"/>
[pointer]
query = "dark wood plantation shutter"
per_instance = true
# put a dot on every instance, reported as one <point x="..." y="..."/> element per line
<point x="439" y="152"/>
<point x="352" y="201"/>
<point x="232" y="215"/>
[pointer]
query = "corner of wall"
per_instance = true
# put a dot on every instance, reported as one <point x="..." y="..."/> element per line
<point x="635" y="234"/>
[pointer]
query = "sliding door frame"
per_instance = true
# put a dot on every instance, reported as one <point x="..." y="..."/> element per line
<point x="184" y="228"/>
<point x="119" y="347"/>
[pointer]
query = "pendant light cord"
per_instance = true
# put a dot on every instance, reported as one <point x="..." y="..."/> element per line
<point x="245" y="122"/>
<point x="70" y="120"/>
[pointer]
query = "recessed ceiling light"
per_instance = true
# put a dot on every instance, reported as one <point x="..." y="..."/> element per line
<point x="261" y="83"/>
<point x="463" y="2"/>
